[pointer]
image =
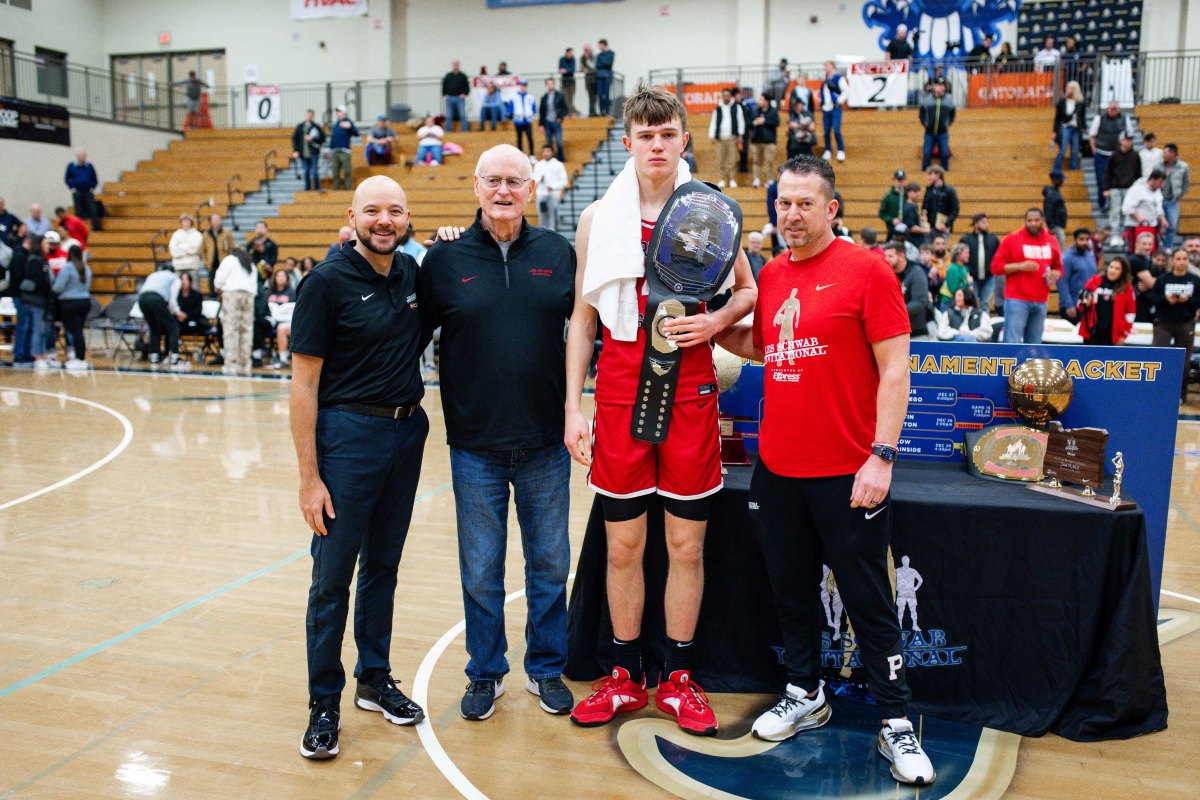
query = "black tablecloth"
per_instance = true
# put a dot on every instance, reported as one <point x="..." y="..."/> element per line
<point x="1036" y="612"/>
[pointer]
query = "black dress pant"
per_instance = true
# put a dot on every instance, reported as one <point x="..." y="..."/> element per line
<point x="802" y="523"/>
<point x="73" y="313"/>
<point x="160" y="321"/>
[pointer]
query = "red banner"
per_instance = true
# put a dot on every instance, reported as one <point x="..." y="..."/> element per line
<point x="1010" y="89"/>
<point x="700" y="98"/>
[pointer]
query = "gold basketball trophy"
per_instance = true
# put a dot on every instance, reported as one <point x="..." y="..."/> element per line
<point x="1039" y="390"/>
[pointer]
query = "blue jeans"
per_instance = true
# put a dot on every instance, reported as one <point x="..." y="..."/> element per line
<point x="494" y="113"/>
<point x="23" y="335"/>
<point x="429" y="149"/>
<point x="985" y="289"/>
<point x="456" y="108"/>
<point x="1068" y="137"/>
<point x="1100" y="162"/>
<point x="370" y="465"/>
<point x="553" y="132"/>
<point x="942" y="140"/>
<point x="1024" y="321"/>
<point x="312" y="175"/>
<point x="832" y="121"/>
<point x="603" y="88"/>
<point x="1171" y="212"/>
<point x="540" y="480"/>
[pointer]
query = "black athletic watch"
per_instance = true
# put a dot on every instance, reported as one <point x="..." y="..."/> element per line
<point x="885" y="451"/>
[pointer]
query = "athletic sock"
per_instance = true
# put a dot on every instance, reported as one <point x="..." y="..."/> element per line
<point x="679" y="655"/>
<point x="629" y="656"/>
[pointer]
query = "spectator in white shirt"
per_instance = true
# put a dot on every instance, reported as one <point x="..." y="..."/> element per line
<point x="237" y="282"/>
<point x="186" y="244"/>
<point x="429" y="143"/>
<point x="1151" y="155"/>
<point x="1047" y="57"/>
<point x="551" y="178"/>
<point x="1142" y="203"/>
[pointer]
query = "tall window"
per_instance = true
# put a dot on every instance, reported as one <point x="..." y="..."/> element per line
<point x="51" y="71"/>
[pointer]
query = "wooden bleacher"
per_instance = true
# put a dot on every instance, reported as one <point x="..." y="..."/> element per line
<point x="437" y="196"/>
<point x="188" y="173"/>
<point x="1001" y="162"/>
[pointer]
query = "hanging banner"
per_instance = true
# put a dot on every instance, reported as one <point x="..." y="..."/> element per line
<point x="878" y="84"/>
<point x="34" y="122"/>
<point x="320" y="9"/>
<point x="262" y="105"/>
<point x="991" y="88"/>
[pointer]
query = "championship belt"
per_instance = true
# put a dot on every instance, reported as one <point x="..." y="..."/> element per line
<point x="695" y="242"/>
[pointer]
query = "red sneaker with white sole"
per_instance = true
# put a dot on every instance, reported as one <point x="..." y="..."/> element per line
<point x="615" y="694"/>
<point x="680" y="697"/>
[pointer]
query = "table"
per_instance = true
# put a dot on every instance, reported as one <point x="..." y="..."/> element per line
<point x="1036" y="612"/>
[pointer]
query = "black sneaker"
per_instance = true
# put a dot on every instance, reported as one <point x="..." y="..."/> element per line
<point x="389" y="701"/>
<point x="321" y="738"/>
<point x="480" y="700"/>
<point x="555" y="696"/>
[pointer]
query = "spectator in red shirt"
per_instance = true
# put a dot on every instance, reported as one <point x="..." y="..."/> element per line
<point x="76" y="227"/>
<point x="1031" y="262"/>
<point x="1108" y="305"/>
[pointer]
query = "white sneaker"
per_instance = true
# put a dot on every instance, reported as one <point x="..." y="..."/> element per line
<point x="41" y="365"/>
<point x="53" y="361"/>
<point x="827" y="155"/>
<point x="77" y="365"/>
<point x="757" y="183"/>
<point x="841" y="155"/>
<point x="794" y="712"/>
<point x="733" y="184"/>
<point x="721" y="184"/>
<point x="154" y="358"/>
<point x="898" y="744"/>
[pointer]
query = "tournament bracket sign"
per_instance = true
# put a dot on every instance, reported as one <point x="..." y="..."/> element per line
<point x="263" y="106"/>
<point x="878" y="84"/>
<point x="1132" y="392"/>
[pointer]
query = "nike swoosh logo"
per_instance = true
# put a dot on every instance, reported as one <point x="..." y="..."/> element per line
<point x="673" y="702"/>
<point x="468" y="280"/>
<point x="826" y="286"/>
<point x="875" y="513"/>
<point x="367" y="297"/>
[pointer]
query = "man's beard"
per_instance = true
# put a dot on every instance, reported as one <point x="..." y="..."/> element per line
<point x="384" y="251"/>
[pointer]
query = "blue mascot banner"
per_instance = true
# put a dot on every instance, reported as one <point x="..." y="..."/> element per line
<point x="940" y="29"/>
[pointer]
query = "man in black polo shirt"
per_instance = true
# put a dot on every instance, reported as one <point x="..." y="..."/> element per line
<point x="359" y="432"/>
<point x="502" y="294"/>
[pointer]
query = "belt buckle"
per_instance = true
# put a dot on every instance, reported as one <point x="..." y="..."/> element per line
<point x="396" y="412"/>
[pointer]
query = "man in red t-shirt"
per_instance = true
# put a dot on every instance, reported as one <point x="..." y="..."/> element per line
<point x="75" y="227"/>
<point x="1031" y="262"/>
<point x="685" y="469"/>
<point x="832" y="331"/>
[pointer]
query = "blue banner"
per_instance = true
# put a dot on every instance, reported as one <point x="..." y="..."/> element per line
<point x="1132" y="392"/>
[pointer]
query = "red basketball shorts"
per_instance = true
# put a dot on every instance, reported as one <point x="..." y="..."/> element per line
<point x="686" y="466"/>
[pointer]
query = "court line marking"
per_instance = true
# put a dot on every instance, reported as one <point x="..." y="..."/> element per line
<point x="429" y="739"/>
<point x="1178" y="596"/>
<point x="169" y="615"/>
<point x="120" y="448"/>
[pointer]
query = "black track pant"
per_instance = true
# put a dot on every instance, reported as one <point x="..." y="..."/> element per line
<point x="802" y="522"/>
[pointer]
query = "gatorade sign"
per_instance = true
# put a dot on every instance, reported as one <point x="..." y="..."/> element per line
<point x="262" y="105"/>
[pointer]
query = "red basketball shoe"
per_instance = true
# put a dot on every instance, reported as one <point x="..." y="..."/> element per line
<point x="611" y="695"/>
<point x="680" y="697"/>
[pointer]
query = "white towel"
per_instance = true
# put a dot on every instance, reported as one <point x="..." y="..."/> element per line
<point x="614" y="258"/>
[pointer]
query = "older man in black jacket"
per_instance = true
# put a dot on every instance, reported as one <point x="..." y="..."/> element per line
<point x="307" y="139"/>
<point x="502" y="294"/>
<point x="552" y="110"/>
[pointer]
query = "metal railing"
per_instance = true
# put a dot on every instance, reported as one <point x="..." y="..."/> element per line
<point x="128" y="98"/>
<point x="1132" y="77"/>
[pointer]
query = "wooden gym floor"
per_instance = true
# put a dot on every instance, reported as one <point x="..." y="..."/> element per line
<point x="154" y="570"/>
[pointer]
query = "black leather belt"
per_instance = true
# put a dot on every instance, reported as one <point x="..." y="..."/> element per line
<point x="390" y="412"/>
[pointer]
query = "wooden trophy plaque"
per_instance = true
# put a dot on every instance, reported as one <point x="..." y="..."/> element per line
<point x="1076" y="456"/>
